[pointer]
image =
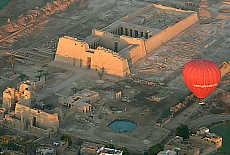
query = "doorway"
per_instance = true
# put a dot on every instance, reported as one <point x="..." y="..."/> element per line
<point x="80" y="62"/>
<point x="89" y="62"/>
<point x="115" y="46"/>
<point x="34" y="121"/>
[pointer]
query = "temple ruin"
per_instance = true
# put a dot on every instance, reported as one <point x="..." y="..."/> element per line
<point x="34" y="121"/>
<point x="24" y="94"/>
<point x="32" y="17"/>
<point x="21" y="116"/>
<point x="115" y="48"/>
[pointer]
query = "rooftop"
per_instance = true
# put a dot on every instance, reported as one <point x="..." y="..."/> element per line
<point x="109" y="151"/>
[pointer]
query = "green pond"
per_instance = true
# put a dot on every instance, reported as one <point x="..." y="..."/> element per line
<point x="223" y="131"/>
<point x="122" y="126"/>
<point x="3" y="3"/>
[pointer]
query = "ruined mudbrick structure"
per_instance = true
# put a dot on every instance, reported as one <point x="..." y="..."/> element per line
<point x="24" y="94"/>
<point x="81" y="102"/>
<point x="32" y="17"/>
<point x="33" y="121"/>
<point x="22" y="116"/>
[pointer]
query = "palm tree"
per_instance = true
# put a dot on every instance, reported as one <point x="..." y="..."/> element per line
<point x="45" y="74"/>
<point x="6" y="153"/>
<point x="12" y="60"/>
<point x="103" y="70"/>
<point x="39" y="77"/>
<point x="40" y="71"/>
<point x="74" y="89"/>
<point x="100" y="74"/>
<point x="5" y="141"/>
<point x="29" y="146"/>
<point x="1" y="64"/>
<point x="3" y="131"/>
<point x="66" y="138"/>
<point x="125" y="151"/>
<point x="23" y="77"/>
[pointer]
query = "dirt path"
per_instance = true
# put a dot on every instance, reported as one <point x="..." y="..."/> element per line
<point x="208" y="119"/>
<point x="183" y="117"/>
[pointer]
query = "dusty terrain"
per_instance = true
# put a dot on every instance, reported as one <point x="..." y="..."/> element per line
<point x="208" y="39"/>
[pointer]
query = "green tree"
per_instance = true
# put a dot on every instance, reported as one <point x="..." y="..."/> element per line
<point x="23" y="77"/>
<point x="12" y="60"/>
<point x="3" y="130"/>
<point x="194" y="129"/>
<point x="39" y="77"/>
<point x="74" y="89"/>
<point x="45" y="74"/>
<point x="1" y="64"/>
<point x="166" y="113"/>
<point x="66" y="138"/>
<point x="29" y="146"/>
<point x="110" y="146"/>
<point x="49" y="106"/>
<point x="40" y="72"/>
<point x="155" y="149"/>
<point x="182" y="131"/>
<point x="100" y="74"/>
<point x="125" y="151"/>
<point x="6" y="153"/>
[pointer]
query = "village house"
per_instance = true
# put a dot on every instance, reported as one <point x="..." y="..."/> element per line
<point x="81" y="101"/>
<point x="204" y="134"/>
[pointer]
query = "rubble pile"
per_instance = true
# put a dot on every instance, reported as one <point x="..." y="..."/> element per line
<point x="9" y="75"/>
<point x="33" y="16"/>
<point x="29" y="55"/>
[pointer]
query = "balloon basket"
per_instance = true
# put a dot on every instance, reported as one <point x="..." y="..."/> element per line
<point x="201" y="102"/>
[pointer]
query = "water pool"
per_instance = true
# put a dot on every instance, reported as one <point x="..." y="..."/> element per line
<point x="3" y="3"/>
<point x="122" y="126"/>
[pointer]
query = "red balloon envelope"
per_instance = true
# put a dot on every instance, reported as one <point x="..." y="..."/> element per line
<point x="201" y="77"/>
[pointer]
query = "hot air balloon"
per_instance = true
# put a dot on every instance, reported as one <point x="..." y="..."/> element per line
<point x="201" y="77"/>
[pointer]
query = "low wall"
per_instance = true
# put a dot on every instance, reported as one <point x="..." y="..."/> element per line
<point x="63" y="148"/>
<point x="95" y="98"/>
<point x="210" y="150"/>
<point x="131" y="53"/>
<point x="167" y="121"/>
<point x="37" y="131"/>
<point x="207" y="120"/>
<point x="167" y="34"/>
<point x="63" y="59"/>
<point x="133" y="15"/>
<point x="13" y="123"/>
<point x="166" y="131"/>
<point x="41" y="132"/>
<point x="169" y="8"/>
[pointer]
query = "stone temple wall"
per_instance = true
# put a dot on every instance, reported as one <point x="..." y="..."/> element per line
<point x="79" y="54"/>
<point x="116" y="48"/>
<point x="172" y="31"/>
<point x="36" y="118"/>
